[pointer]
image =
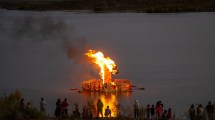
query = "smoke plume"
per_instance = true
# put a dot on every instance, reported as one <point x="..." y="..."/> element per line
<point x="22" y="35"/>
<point x="42" y="29"/>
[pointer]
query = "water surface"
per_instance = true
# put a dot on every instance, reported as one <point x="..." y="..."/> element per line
<point x="171" y="55"/>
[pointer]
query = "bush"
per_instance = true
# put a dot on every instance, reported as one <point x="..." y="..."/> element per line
<point x="10" y="108"/>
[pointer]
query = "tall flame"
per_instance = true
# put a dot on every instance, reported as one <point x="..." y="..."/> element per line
<point x="99" y="59"/>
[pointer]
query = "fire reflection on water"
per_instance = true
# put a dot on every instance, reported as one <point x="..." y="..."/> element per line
<point x="111" y="101"/>
<point x="108" y="99"/>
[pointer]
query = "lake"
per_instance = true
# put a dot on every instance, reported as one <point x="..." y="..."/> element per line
<point x="171" y="55"/>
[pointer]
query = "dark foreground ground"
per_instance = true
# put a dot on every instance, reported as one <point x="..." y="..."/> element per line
<point x="148" y="6"/>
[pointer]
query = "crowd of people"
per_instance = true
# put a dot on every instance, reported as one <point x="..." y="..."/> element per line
<point x="61" y="111"/>
<point x="153" y="112"/>
<point x="201" y="113"/>
<point x="150" y="112"/>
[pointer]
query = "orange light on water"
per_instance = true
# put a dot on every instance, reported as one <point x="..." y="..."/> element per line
<point x="111" y="101"/>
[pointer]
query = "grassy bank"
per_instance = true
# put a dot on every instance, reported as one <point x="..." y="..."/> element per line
<point x="148" y="6"/>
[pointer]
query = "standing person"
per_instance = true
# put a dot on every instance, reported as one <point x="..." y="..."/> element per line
<point x="159" y="109"/>
<point x="107" y="112"/>
<point x="64" y="106"/>
<point x="43" y="106"/>
<point x="136" y="109"/>
<point x="99" y="107"/>
<point x="164" y="115"/>
<point x="169" y="114"/>
<point x="148" y="112"/>
<point x="199" y="112"/>
<point x="22" y="104"/>
<point x="210" y="110"/>
<point x="152" y="111"/>
<point x="58" y="109"/>
<point x="192" y="112"/>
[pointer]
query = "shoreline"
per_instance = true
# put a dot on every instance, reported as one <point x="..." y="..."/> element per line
<point x="107" y="12"/>
<point x="112" y="6"/>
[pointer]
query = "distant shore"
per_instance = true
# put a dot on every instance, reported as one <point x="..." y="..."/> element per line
<point x="142" y="6"/>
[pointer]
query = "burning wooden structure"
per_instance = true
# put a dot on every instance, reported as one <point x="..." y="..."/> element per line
<point x="107" y="68"/>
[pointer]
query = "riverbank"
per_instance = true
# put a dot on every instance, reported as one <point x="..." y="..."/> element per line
<point x="143" y="6"/>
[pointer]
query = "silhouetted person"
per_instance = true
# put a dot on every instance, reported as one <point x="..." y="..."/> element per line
<point x="159" y="109"/>
<point x="136" y="109"/>
<point x="148" y="111"/>
<point x="64" y="106"/>
<point x="169" y="114"/>
<point x="107" y="112"/>
<point x="152" y="111"/>
<point x="99" y="107"/>
<point x="22" y="104"/>
<point x="192" y="112"/>
<point x="164" y="115"/>
<point x="58" y="109"/>
<point x="43" y="105"/>
<point x="199" y="112"/>
<point x="210" y="110"/>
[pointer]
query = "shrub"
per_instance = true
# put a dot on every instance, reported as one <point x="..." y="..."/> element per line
<point x="10" y="108"/>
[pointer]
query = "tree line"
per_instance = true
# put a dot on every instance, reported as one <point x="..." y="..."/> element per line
<point x="147" y="6"/>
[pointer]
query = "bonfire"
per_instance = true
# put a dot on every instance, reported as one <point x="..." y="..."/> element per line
<point x="107" y="68"/>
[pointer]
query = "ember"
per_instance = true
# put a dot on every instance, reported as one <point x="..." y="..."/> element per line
<point x="107" y="68"/>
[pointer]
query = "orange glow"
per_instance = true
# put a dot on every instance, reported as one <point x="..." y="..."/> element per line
<point x="111" y="101"/>
<point x="108" y="99"/>
<point x="99" y="59"/>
